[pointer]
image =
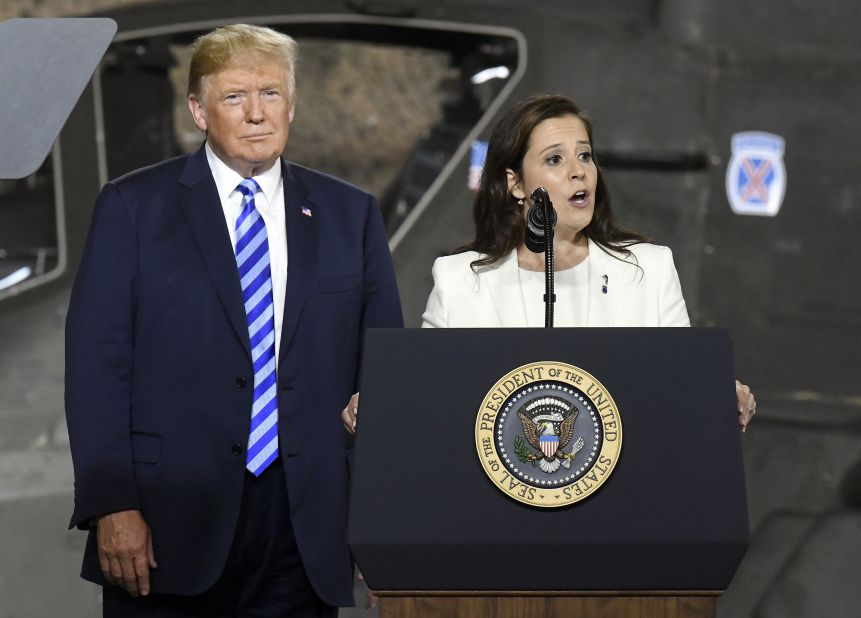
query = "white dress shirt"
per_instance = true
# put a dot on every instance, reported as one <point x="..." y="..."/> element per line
<point x="270" y="204"/>
<point x="571" y="287"/>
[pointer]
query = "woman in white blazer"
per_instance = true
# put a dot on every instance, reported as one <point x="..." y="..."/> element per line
<point x="605" y="275"/>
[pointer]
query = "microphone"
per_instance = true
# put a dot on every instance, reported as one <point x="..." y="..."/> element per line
<point x="535" y="220"/>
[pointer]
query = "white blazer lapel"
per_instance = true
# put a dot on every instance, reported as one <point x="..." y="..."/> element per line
<point x="603" y="306"/>
<point x="503" y="286"/>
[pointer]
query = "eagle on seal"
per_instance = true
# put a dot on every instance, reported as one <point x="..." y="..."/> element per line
<point x="549" y="431"/>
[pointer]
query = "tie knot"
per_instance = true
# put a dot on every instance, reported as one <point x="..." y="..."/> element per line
<point x="248" y="187"/>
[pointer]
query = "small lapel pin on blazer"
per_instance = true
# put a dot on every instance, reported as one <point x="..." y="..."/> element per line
<point x="306" y="211"/>
<point x="606" y="281"/>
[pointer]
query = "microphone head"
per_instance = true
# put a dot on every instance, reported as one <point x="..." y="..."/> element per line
<point x="539" y="196"/>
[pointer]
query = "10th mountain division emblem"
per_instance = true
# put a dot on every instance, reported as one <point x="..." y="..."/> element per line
<point x="548" y="434"/>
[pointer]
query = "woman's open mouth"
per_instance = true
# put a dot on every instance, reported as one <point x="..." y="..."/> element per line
<point x="579" y="199"/>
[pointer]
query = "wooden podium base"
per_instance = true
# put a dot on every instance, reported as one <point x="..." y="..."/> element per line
<point x="535" y="604"/>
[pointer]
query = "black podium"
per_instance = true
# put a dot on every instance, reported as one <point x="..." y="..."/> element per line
<point x="663" y="535"/>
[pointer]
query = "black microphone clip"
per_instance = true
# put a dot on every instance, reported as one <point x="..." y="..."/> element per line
<point x="534" y="239"/>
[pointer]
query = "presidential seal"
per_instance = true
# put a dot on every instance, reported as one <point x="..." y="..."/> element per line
<point x="548" y="434"/>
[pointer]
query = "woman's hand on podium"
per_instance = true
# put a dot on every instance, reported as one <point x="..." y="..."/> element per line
<point x="371" y="599"/>
<point x="746" y="405"/>
<point x="349" y="414"/>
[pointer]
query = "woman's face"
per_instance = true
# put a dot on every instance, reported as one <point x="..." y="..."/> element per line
<point x="559" y="158"/>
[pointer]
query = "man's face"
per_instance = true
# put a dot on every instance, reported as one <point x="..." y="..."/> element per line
<point x="246" y="115"/>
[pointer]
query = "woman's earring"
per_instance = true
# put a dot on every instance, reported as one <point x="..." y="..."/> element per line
<point x="520" y="202"/>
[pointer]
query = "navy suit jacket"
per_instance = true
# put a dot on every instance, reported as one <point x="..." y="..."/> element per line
<point x="159" y="379"/>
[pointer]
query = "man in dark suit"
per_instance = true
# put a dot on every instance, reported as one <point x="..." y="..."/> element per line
<point x="204" y="381"/>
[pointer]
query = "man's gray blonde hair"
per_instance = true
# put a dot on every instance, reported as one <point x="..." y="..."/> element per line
<point x="220" y="48"/>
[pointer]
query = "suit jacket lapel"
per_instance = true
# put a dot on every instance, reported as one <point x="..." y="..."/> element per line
<point x="202" y="208"/>
<point x="603" y="307"/>
<point x="302" y="240"/>
<point x="503" y="286"/>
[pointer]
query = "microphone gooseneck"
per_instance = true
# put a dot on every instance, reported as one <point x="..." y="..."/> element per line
<point x="540" y="220"/>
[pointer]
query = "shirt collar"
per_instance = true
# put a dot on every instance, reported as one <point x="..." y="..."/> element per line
<point x="227" y="179"/>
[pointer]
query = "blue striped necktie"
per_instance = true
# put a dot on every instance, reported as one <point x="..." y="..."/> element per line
<point x="252" y="258"/>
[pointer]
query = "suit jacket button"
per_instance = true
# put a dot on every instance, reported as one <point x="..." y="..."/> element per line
<point x="236" y="449"/>
<point x="241" y="382"/>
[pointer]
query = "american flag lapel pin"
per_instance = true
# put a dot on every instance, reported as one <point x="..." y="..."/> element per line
<point x="306" y="211"/>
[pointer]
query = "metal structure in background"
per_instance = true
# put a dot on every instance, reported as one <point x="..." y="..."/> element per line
<point x="45" y="64"/>
<point x="668" y="84"/>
